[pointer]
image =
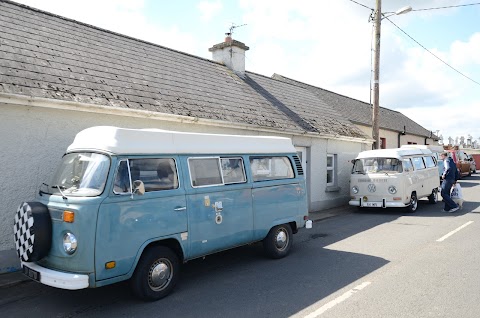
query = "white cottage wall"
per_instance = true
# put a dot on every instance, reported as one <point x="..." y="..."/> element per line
<point x="35" y="138"/>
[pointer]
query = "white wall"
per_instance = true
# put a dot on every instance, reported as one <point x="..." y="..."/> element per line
<point x="392" y="137"/>
<point x="35" y="138"/>
<point x="320" y="196"/>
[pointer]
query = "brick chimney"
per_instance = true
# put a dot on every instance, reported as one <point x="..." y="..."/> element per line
<point x="231" y="53"/>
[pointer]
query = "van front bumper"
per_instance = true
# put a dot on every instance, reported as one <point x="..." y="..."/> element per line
<point x="377" y="204"/>
<point x="55" y="278"/>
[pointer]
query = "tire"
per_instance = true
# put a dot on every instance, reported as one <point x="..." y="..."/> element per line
<point x="156" y="273"/>
<point x="278" y="241"/>
<point x="433" y="198"/>
<point x="412" y="207"/>
<point x="32" y="231"/>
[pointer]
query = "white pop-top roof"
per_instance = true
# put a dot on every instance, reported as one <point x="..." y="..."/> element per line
<point x="433" y="148"/>
<point x="156" y="141"/>
<point x="398" y="153"/>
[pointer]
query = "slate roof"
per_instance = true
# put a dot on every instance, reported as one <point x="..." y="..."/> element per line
<point x="359" y="112"/>
<point x="49" y="56"/>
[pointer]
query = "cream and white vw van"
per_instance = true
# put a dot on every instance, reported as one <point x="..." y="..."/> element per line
<point x="395" y="178"/>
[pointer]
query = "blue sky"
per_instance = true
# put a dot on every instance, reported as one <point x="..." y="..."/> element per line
<point x="325" y="43"/>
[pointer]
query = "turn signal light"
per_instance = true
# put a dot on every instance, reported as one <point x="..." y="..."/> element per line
<point x="110" y="265"/>
<point x="397" y="198"/>
<point x="68" y="216"/>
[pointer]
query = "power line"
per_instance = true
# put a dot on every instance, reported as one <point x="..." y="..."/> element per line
<point x="361" y="4"/>
<point x="462" y="5"/>
<point x="471" y="79"/>
<point x="448" y="7"/>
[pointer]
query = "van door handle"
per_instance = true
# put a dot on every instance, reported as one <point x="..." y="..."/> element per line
<point x="180" y="209"/>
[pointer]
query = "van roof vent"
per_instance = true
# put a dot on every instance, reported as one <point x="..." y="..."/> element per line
<point x="299" y="165"/>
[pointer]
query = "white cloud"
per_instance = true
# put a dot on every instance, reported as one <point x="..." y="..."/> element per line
<point x="454" y="120"/>
<point x="209" y="9"/>
<point x="121" y="16"/>
<point x="464" y="53"/>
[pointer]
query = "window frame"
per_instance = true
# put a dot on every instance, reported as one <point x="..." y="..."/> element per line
<point x="332" y="168"/>
<point x="425" y="160"/>
<point x="291" y="167"/>
<point x="128" y="160"/>
<point x="219" y="166"/>
<point x="420" y="160"/>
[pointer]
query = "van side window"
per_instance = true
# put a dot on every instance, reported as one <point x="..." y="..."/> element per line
<point x="407" y="165"/>
<point x="205" y="171"/>
<point x="418" y="163"/>
<point x="232" y="170"/>
<point x="429" y="161"/>
<point x="216" y="171"/>
<point x="155" y="173"/>
<point x="271" y="168"/>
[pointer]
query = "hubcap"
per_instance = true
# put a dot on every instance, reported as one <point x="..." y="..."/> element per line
<point x="281" y="240"/>
<point x="160" y="274"/>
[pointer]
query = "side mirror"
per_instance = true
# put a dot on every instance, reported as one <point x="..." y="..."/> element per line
<point x="138" y="187"/>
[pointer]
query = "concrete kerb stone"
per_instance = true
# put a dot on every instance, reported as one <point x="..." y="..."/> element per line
<point x="14" y="278"/>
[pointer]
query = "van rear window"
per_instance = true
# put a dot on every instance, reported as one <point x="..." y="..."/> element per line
<point x="271" y="168"/>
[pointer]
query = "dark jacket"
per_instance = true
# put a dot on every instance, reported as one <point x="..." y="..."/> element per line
<point x="451" y="172"/>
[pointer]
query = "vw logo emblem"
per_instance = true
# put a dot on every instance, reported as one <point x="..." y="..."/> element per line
<point x="371" y="187"/>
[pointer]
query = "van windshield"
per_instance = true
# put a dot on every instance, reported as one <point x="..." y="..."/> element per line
<point x="80" y="174"/>
<point x="377" y="165"/>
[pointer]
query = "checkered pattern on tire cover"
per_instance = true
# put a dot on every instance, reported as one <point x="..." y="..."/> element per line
<point x="24" y="232"/>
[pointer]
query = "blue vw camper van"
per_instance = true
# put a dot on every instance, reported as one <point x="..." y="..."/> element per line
<point x="133" y="204"/>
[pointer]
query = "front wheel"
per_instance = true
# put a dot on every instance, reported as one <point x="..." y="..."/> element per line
<point x="278" y="241"/>
<point x="412" y="207"/>
<point x="433" y="198"/>
<point x="156" y="273"/>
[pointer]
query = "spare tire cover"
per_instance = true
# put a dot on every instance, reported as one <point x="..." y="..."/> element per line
<point x="32" y="231"/>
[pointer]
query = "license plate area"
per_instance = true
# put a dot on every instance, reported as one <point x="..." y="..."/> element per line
<point x="33" y="274"/>
<point x="372" y="204"/>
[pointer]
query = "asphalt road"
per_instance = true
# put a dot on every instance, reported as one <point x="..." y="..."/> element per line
<point x="375" y="263"/>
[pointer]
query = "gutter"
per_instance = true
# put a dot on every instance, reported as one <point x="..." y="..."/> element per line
<point x="30" y="101"/>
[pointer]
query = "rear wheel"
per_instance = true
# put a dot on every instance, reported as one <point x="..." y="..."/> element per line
<point x="156" y="274"/>
<point x="433" y="198"/>
<point x="412" y="207"/>
<point x="278" y="241"/>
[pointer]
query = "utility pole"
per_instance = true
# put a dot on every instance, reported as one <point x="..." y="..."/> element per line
<point x="376" y="76"/>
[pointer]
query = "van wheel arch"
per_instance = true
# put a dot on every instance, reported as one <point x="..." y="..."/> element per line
<point x="156" y="273"/>
<point x="278" y="242"/>
<point x="293" y="226"/>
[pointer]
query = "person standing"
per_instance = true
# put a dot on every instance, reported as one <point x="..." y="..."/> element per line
<point x="449" y="179"/>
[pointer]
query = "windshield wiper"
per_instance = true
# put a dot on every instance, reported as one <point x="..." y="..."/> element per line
<point x="60" y="187"/>
<point x="359" y="171"/>
<point x="40" y="192"/>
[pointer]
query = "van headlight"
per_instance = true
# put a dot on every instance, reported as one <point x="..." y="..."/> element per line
<point x="392" y="190"/>
<point x="355" y="189"/>
<point x="69" y="243"/>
